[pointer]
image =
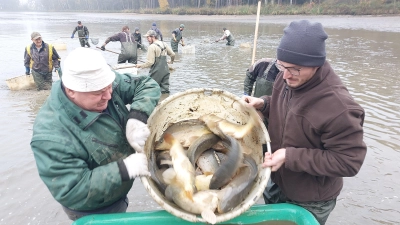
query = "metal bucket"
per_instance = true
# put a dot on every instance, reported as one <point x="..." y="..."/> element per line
<point x="24" y="82"/>
<point x="192" y="104"/>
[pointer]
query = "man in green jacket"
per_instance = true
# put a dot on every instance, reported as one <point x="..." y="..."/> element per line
<point x="316" y="127"/>
<point x="87" y="145"/>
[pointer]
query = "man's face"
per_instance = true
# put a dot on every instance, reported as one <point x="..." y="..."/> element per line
<point x="181" y="28"/>
<point x="94" y="101"/>
<point x="38" y="41"/>
<point x="150" y="39"/>
<point x="295" y="75"/>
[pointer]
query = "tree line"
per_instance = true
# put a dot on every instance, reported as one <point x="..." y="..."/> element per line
<point x="115" y="5"/>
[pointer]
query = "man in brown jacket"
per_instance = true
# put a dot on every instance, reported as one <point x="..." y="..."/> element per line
<point x="316" y="127"/>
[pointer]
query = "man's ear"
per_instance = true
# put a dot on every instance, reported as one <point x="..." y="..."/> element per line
<point x="70" y="93"/>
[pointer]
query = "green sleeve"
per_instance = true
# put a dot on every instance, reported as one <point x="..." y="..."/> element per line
<point x="141" y="91"/>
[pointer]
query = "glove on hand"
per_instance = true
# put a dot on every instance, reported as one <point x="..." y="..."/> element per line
<point x="103" y="48"/>
<point x="137" y="134"/>
<point x="136" y="165"/>
<point x="27" y="70"/>
<point x="87" y="37"/>
<point x="72" y="36"/>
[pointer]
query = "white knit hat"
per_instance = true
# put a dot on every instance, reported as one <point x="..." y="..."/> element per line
<point x="86" y="70"/>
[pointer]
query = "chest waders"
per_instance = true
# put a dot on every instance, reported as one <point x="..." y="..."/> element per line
<point x="42" y="79"/>
<point x="82" y="33"/>
<point x="231" y="40"/>
<point x="128" y="51"/>
<point x="159" y="71"/>
<point x="264" y="85"/>
<point x="265" y="82"/>
<point x="178" y="37"/>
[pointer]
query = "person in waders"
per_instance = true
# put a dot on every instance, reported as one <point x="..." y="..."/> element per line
<point x="41" y="57"/>
<point x="83" y="34"/>
<point x="228" y="36"/>
<point x="157" y="60"/>
<point x="176" y="37"/>
<point x="138" y="38"/>
<point x="128" y="46"/>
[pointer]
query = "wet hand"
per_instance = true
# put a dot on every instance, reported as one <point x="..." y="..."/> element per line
<point x="276" y="160"/>
<point x="257" y="103"/>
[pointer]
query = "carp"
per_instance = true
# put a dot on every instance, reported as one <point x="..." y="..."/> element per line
<point x="186" y="132"/>
<point x="203" y="202"/>
<point x="230" y="165"/>
<point x="201" y="145"/>
<point x="184" y="170"/>
<point x="236" y="191"/>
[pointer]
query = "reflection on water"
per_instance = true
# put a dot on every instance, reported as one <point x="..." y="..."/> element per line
<point x="367" y="60"/>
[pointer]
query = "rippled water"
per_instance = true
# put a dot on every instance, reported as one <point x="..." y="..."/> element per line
<point x="364" y="51"/>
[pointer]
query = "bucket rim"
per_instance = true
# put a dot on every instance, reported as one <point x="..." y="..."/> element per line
<point x="253" y="196"/>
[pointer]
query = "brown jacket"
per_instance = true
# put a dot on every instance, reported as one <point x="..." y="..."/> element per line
<point x="320" y="125"/>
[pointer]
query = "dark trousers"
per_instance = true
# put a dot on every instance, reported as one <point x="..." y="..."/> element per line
<point x="119" y="206"/>
<point x="320" y="210"/>
<point x="43" y="80"/>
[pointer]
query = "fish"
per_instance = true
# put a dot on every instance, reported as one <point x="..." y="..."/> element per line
<point x="228" y="167"/>
<point x="201" y="145"/>
<point x="208" y="163"/>
<point x="184" y="170"/>
<point x="156" y="170"/>
<point x="186" y="132"/>
<point x="203" y="202"/>
<point x="222" y="127"/>
<point x="236" y="191"/>
<point x="202" y="182"/>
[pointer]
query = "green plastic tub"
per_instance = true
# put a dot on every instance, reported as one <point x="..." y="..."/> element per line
<point x="255" y="215"/>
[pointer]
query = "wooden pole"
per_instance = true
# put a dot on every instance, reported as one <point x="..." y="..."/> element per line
<point x="256" y="32"/>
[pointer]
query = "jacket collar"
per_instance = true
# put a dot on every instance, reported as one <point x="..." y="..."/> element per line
<point x="82" y="118"/>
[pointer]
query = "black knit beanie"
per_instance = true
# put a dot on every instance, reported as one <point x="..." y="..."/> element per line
<point x="303" y="44"/>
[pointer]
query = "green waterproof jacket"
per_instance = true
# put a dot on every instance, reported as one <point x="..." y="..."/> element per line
<point x="76" y="151"/>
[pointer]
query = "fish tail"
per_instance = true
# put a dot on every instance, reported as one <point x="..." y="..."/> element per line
<point x="209" y="216"/>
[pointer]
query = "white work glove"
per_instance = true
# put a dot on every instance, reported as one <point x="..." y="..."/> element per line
<point x="137" y="134"/>
<point x="136" y="165"/>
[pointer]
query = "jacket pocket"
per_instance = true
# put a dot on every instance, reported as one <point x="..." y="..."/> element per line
<point x="104" y="152"/>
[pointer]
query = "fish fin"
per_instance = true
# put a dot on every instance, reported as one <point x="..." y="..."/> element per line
<point x="189" y="195"/>
<point x="208" y="173"/>
<point x="169" y="138"/>
<point x="209" y="216"/>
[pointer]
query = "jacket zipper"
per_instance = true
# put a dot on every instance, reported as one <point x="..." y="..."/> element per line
<point x="286" y="112"/>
